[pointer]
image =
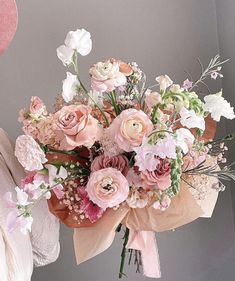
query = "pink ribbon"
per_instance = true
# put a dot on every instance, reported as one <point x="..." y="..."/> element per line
<point x="145" y="242"/>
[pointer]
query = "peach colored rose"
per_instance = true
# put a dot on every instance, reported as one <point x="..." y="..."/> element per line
<point x="107" y="188"/>
<point x="130" y="127"/>
<point x="160" y="178"/>
<point x="76" y="127"/>
<point x="119" y="162"/>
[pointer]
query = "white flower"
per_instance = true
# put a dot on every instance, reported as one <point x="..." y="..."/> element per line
<point x="65" y="54"/>
<point x="29" y="153"/>
<point x="22" y="197"/>
<point x="95" y="98"/>
<point x="15" y="220"/>
<point x="183" y="138"/>
<point x="190" y="120"/>
<point x="164" y="82"/>
<point x="70" y="85"/>
<point x="79" y="40"/>
<point x="218" y="106"/>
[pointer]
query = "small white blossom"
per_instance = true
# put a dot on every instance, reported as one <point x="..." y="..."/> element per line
<point x="164" y="82"/>
<point x="218" y="106"/>
<point x="65" y="54"/>
<point x="190" y="120"/>
<point x="70" y="85"/>
<point x="184" y="138"/>
<point x="79" y="40"/>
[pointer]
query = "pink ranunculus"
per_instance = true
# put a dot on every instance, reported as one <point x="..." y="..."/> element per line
<point x="130" y="127"/>
<point x="106" y="76"/>
<point x="37" y="106"/>
<point x="160" y="178"/>
<point x="107" y="188"/>
<point x="119" y="162"/>
<point x="152" y="99"/>
<point x="92" y="211"/>
<point x="76" y="127"/>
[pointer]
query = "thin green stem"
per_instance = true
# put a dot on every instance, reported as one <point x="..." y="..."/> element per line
<point x="123" y="254"/>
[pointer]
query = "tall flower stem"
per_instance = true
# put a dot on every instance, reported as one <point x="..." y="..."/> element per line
<point x="114" y="102"/>
<point x="123" y="254"/>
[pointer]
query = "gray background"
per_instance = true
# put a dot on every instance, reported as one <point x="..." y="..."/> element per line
<point x="163" y="36"/>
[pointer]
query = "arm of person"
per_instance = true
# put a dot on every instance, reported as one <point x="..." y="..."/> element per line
<point x="45" y="229"/>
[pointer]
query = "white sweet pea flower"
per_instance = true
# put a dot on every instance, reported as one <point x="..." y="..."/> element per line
<point x="29" y="153"/>
<point x="190" y="120"/>
<point x="55" y="175"/>
<point x="15" y="220"/>
<point x="79" y="40"/>
<point x="22" y="197"/>
<point x="184" y="138"/>
<point x="95" y="98"/>
<point x="65" y="54"/>
<point x="218" y="106"/>
<point x="70" y="85"/>
<point x="164" y="82"/>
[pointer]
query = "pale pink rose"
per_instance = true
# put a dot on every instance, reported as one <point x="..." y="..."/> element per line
<point x="130" y="127"/>
<point x="76" y="127"/>
<point x="119" y="162"/>
<point x="29" y="153"/>
<point x="37" y="107"/>
<point x="107" y="188"/>
<point x="152" y="98"/>
<point x="91" y="210"/>
<point x="160" y="178"/>
<point x="106" y="76"/>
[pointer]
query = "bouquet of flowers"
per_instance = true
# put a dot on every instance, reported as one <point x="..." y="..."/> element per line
<point x="121" y="156"/>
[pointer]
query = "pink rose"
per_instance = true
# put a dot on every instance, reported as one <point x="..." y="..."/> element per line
<point x="106" y="76"/>
<point x="107" y="188"/>
<point x="160" y="178"/>
<point x="119" y="162"/>
<point x="130" y="127"/>
<point x="76" y="127"/>
<point x="152" y="98"/>
<point x="37" y="107"/>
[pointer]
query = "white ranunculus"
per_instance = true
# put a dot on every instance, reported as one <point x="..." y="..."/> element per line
<point x="184" y="138"/>
<point x="79" y="40"/>
<point x="65" y="54"/>
<point x="164" y="82"/>
<point x="29" y="153"/>
<point x="218" y="106"/>
<point x="190" y="119"/>
<point x="70" y="85"/>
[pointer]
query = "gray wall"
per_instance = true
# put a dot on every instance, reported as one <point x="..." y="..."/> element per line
<point x="163" y="36"/>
